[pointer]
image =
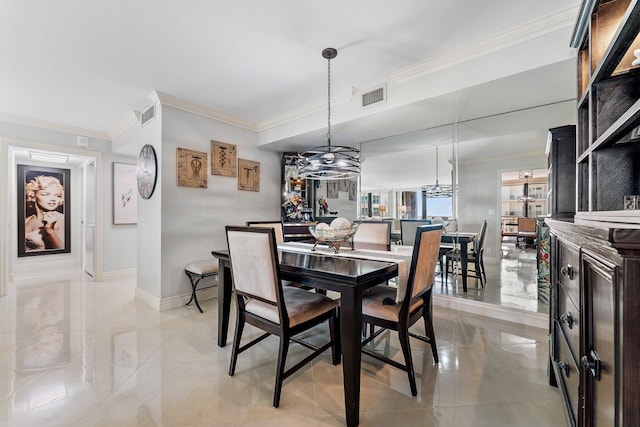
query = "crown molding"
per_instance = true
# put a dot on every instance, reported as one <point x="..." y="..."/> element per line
<point x="134" y="119"/>
<point x="309" y="109"/>
<point x="520" y="34"/>
<point x="41" y="124"/>
<point x="191" y="107"/>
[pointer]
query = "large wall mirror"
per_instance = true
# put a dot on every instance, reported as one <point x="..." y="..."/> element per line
<point x="472" y="155"/>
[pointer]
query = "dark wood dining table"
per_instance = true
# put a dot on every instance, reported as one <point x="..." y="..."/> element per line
<point x="463" y="239"/>
<point x="348" y="276"/>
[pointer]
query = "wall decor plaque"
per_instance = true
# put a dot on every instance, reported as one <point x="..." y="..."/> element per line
<point x="248" y="175"/>
<point x="191" y="169"/>
<point x="224" y="159"/>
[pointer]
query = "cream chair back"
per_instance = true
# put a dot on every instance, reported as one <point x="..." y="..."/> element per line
<point x="373" y="233"/>
<point x="276" y="225"/>
<point x="252" y="262"/>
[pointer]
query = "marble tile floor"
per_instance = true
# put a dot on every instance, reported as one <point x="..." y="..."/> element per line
<point x="79" y="353"/>
<point x="512" y="282"/>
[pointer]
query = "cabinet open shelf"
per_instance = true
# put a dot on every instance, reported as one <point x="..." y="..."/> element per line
<point x="608" y="149"/>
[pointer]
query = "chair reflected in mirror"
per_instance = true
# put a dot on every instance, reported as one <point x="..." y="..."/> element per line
<point x="475" y="257"/>
<point x="526" y="233"/>
<point x="408" y="229"/>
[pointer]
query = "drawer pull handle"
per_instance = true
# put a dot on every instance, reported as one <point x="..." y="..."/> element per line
<point x="568" y="319"/>
<point x="567" y="271"/>
<point x="592" y="363"/>
<point x="564" y="366"/>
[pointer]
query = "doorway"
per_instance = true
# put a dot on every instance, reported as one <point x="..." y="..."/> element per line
<point x="89" y="217"/>
<point x="20" y="152"/>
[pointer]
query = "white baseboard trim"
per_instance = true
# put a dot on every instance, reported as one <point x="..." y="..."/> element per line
<point x="175" y="301"/>
<point x="147" y="298"/>
<point x="536" y="320"/>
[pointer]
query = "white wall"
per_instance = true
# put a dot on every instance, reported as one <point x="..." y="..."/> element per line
<point x="178" y="225"/>
<point x="480" y="193"/>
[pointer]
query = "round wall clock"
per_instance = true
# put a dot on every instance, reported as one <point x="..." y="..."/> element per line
<point x="147" y="171"/>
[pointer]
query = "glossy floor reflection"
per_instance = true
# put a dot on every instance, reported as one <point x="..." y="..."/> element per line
<point x="512" y="282"/>
<point x="79" y="353"/>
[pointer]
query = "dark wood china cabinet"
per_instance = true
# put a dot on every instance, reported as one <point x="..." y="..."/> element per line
<point x="594" y="326"/>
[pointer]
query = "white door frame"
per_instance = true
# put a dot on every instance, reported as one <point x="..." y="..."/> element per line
<point x="6" y="261"/>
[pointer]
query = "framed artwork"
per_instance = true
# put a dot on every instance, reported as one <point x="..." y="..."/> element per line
<point x="224" y="159"/>
<point x="332" y="189"/>
<point x="191" y="168"/>
<point x="353" y="190"/>
<point x="343" y="185"/>
<point x="44" y="217"/>
<point x="125" y="196"/>
<point x="248" y="175"/>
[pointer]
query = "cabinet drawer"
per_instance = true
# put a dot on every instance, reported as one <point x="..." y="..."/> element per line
<point x="568" y="270"/>
<point x="568" y="377"/>
<point x="569" y="321"/>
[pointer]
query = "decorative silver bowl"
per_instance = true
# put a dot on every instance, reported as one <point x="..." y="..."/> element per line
<point x="333" y="237"/>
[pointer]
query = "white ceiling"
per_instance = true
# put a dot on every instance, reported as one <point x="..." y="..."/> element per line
<point x="88" y="65"/>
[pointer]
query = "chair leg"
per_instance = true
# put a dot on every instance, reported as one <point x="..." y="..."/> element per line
<point x="479" y="271"/>
<point x="428" y="327"/>
<point x="282" y="358"/>
<point x="236" y="344"/>
<point x="484" y="274"/>
<point x="403" y="335"/>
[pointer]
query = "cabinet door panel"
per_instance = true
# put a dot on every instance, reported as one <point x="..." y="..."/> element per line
<point x="569" y="320"/>
<point x="598" y="360"/>
<point x="568" y="270"/>
<point x="567" y="375"/>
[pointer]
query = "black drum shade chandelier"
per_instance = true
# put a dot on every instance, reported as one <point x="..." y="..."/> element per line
<point x="329" y="161"/>
<point x="437" y="190"/>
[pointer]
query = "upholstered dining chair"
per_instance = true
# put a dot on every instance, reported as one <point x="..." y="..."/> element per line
<point x="377" y="309"/>
<point x="408" y="229"/>
<point x="475" y="257"/>
<point x="373" y="235"/>
<point x="526" y="232"/>
<point x="276" y="225"/>
<point x="284" y="311"/>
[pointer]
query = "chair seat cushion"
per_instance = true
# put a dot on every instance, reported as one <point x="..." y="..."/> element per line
<point x="301" y="306"/>
<point x="203" y="267"/>
<point x="527" y="234"/>
<point x="372" y="303"/>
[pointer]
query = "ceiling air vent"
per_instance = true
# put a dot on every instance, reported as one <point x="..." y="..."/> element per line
<point x="373" y="96"/>
<point x="148" y="115"/>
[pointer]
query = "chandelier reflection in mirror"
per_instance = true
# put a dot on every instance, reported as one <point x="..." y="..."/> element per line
<point x="329" y="162"/>
<point x="438" y="190"/>
<point x="526" y="197"/>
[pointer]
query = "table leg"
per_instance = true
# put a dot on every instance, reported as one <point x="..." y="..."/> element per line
<point x="351" y="330"/>
<point x="463" y="262"/>
<point x="224" y="301"/>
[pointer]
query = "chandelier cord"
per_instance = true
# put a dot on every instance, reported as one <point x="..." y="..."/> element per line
<point x="436" y="166"/>
<point x="329" y="101"/>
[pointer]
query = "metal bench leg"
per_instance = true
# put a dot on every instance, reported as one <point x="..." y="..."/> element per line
<point x="194" y="278"/>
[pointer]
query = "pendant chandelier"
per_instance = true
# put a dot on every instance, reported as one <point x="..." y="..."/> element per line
<point x="438" y="190"/>
<point x="526" y="198"/>
<point x="329" y="161"/>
